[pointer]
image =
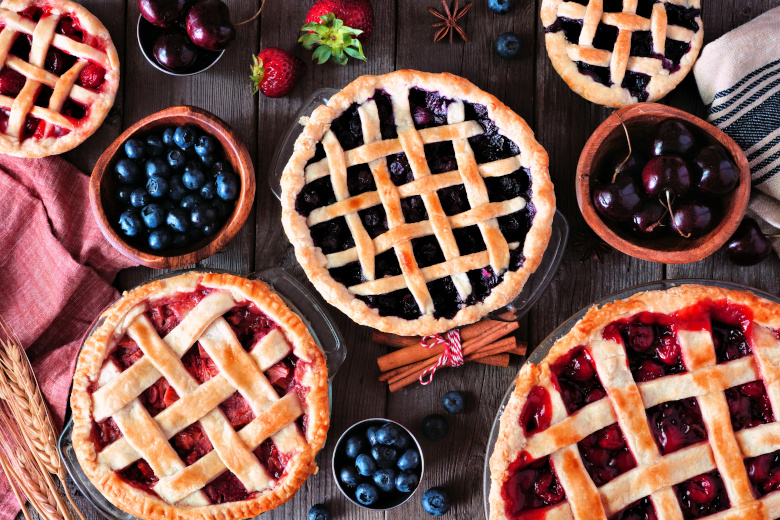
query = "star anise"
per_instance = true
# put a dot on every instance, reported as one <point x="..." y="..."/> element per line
<point x="450" y="18"/>
<point x="591" y="246"/>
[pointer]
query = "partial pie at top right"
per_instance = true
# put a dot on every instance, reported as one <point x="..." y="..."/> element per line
<point x="619" y="52"/>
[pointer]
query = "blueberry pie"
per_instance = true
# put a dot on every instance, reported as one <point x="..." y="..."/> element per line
<point x="618" y="52"/>
<point x="416" y="202"/>
<point x="200" y="396"/>
<point x="660" y="406"/>
<point x="59" y="76"/>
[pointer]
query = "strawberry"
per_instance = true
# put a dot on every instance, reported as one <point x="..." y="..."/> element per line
<point x="336" y="28"/>
<point x="357" y="14"/>
<point x="275" y="72"/>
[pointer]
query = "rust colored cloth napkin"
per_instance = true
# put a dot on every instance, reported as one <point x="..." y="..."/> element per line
<point x="56" y="270"/>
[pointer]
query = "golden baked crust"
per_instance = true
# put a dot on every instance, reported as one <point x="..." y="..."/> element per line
<point x="564" y="55"/>
<point x="315" y="263"/>
<point x="626" y="401"/>
<point x="123" y="315"/>
<point x="98" y="103"/>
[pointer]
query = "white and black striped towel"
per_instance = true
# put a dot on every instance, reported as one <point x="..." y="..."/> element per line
<point x="738" y="76"/>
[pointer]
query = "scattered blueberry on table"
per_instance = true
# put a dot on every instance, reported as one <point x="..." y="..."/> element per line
<point x="319" y="512"/>
<point x="508" y="45"/>
<point x="454" y="402"/>
<point x="501" y="6"/>
<point x="436" y="501"/>
<point x="174" y="188"/>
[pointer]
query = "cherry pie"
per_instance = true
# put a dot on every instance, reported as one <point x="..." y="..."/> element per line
<point x="199" y="396"/>
<point x="660" y="406"/>
<point x="618" y="52"/>
<point x="417" y="202"/>
<point x="59" y="76"/>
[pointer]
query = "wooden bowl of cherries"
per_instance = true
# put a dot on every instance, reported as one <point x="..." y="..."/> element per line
<point x="662" y="185"/>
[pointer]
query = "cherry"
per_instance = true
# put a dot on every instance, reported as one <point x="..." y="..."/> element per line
<point x="673" y="137"/>
<point x="618" y="201"/>
<point x="669" y="350"/>
<point x="174" y="50"/>
<point x="649" y="370"/>
<point x="693" y="219"/>
<point x="747" y="246"/>
<point x="612" y="438"/>
<point x="537" y="411"/>
<point x="650" y="221"/>
<point x="714" y="173"/>
<point x="666" y="174"/>
<point x="11" y="82"/>
<point x="580" y="367"/>
<point x="209" y="25"/>
<point x="162" y="13"/>
<point x="702" y="489"/>
<point x="92" y="76"/>
<point x="640" y="336"/>
<point x="55" y="61"/>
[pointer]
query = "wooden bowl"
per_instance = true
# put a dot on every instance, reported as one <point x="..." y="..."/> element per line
<point x="102" y="186"/>
<point x="640" y="120"/>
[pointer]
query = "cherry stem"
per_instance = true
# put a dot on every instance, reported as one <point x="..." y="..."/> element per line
<point x="658" y="222"/>
<point x="669" y="209"/>
<point x="628" y="140"/>
<point x="262" y="4"/>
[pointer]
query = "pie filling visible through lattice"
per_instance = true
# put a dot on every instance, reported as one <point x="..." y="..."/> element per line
<point x="648" y="409"/>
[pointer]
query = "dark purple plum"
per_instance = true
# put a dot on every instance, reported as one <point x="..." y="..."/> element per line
<point x="673" y="137"/>
<point x="666" y="173"/>
<point x="162" y="13"/>
<point x="209" y="25"/>
<point x="619" y="200"/>
<point x="748" y="245"/>
<point x="174" y="50"/>
<point x="714" y="173"/>
<point x="693" y="219"/>
<point x="651" y="221"/>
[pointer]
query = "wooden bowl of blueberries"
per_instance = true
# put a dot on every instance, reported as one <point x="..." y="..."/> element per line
<point x="661" y="184"/>
<point x="174" y="188"/>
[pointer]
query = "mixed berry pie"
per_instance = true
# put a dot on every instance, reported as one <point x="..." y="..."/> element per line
<point x="618" y="52"/>
<point x="199" y="396"/>
<point x="59" y="76"/>
<point x="416" y="202"/>
<point x="660" y="406"/>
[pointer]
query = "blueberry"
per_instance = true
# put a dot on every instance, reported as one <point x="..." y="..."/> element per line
<point x="202" y="215"/>
<point x="409" y="460"/>
<point x="371" y="435"/>
<point x="210" y="229"/>
<point x="193" y="179"/>
<point x="124" y="194"/>
<point x="365" y="465"/>
<point x="167" y="136"/>
<point x="139" y="198"/>
<point x="159" y="239"/>
<point x="180" y="240"/>
<point x="134" y="148"/>
<point x="153" y="215"/>
<point x="176" y="189"/>
<point x="501" y="6"/>
<point x="508" y="45"/>
<point x="157" y="186"/>
<point x="221" y="207"/>
<point x="349" y="476"/>
<point x="177" y="219"/>
<point x="366" y="494"/>
<point x="176" y="159"/>
<point x="127" y="171"/>
<point x="190" y="200"/>
<point x="209" y="190"/>
<point x="454" y="402"/>
<point x="208" y="160"/>
<point x="406" y="482"/>
<point x="221" y="166"/>
<point x="435" y="427"/>
<point x="157" y="167"/>
<point x="130" y="223"/>
<point x="385" y="479"/>
<point x="402" y="441"/>
<point x="385" y="456"/>
<point x="319" y="512"/>
<point x="184" y="137"/>
<point x="388" y="434"/>
<point x="436" y="501"/>
<point x="354" y="446"/>
<point x="205" y="145"/>
<point x="227" y="186"/>
<point x="154" y="146"/>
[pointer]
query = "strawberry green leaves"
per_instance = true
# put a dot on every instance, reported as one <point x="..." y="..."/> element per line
<point x="332" y="40"/>
<point x="258" y="73"/>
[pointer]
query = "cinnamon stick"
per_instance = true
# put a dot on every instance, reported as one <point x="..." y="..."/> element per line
<point x="499" y="347"/>
<point x="393" y="340"/>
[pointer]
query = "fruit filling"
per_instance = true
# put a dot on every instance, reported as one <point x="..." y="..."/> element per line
<point x="531" y="485"/>
<point x="730" y="342"/>
<point x="651" y="345"/>
<point x="537" y="411"/>
<point x="749" y="405"/>
<point x="702" y="495"/>
<point x="576" y="379"/>
<point x="676" y="424"/>
<point x="642" y="509"/>
<point x="764" y="473"/>
<point x="606" y="454"/>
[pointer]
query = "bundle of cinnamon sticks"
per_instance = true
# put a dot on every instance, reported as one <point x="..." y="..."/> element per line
<point x="488" y="342"/>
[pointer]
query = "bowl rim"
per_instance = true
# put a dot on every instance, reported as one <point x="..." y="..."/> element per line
<point x="160" y="67"/>
<point x="714" y="239"/>
<point x="342" y="438"/>
<point x="244" y="169"/>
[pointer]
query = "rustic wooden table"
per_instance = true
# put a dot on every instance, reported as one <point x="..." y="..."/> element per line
<point x="403" y="39"/>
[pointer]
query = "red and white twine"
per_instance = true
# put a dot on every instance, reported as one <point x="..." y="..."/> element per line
<point x="452" y="355"/>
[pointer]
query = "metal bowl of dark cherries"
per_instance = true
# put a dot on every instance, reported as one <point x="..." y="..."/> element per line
<point x="182" y="38"/>
<point x="378" y="464"/>
<point x="662" y="185"/>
